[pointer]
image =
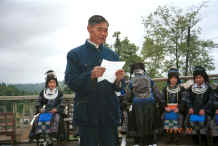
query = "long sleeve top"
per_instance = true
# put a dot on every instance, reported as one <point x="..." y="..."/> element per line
<point x="95" y="102"/>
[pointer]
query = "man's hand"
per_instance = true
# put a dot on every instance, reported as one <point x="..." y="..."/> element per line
<point x="191" y="111"/>
<point x="97" y="72"/>
<point x="201" y="112"/>
<point x="217" y="111"/>
<point x="120" y="75"/>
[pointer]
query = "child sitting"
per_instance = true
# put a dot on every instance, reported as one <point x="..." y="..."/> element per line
<point x="199" y="99"/>
<point x="51" y="104"/>
<point x="173" y="106"/>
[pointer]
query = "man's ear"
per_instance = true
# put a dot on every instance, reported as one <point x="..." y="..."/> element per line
<point x="89" y="28"/>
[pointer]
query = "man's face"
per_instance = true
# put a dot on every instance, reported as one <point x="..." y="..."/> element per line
<point x="199" y="80"/>
<point x="98" y="33"/>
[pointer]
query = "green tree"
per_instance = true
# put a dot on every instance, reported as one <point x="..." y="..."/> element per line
<point x="10" y="90"/>
<point x="172" y="39"/>
<point x="127" y="51"/>
<point x="117" y="44"/>
<point x="153" y="54"/>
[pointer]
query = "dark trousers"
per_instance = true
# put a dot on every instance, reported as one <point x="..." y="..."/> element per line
<point x="101" y="136"/>
<point x="200" y="139"/>
<point x="146" y="140"/>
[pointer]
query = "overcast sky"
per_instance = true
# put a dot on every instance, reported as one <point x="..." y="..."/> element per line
<point x="35" y="35"/>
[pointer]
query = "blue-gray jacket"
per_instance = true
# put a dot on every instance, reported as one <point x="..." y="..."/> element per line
<point x="95" y="103"/>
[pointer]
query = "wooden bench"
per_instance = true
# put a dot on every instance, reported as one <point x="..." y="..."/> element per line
<point x="8" y="125"/>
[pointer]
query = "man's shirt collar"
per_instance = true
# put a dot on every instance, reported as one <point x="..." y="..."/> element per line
<point x="94" y="44"/>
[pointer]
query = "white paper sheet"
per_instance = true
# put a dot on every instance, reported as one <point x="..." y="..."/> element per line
<point x="111" y="68"/>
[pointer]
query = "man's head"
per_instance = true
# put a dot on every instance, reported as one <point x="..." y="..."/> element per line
<point x="98" y="29"/>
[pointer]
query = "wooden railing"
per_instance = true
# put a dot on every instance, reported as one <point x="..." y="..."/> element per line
<point x="8" y="125"/>
<point x="23" y="118"/>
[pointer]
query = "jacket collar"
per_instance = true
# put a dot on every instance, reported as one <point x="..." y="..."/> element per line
<point x="94" y="46"/>
<point x="201" y="86"/>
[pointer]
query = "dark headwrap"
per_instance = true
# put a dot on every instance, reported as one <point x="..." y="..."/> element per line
<point x="50" y="75"/>
<point x="199" y="70"/>
<point x="137" y="66"/>
<point x="173" y="72"/>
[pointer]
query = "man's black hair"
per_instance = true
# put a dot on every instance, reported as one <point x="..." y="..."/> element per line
<point x="96" y="19"/>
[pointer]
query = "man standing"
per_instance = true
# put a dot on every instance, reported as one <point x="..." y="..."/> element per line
<point x="96" y="109"/>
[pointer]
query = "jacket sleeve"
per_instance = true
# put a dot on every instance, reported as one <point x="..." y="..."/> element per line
<point x="188" y="98"/>
<point x="157" y="94"/>
<point x="214" y="106"/>
<point x="208" y="107"/>
<point x="182" y="101"/>
<point x="129" y="95"/>
<point x="76" y="77"/>
<point x="163" y="98"/>
<point x="59" y="103"/>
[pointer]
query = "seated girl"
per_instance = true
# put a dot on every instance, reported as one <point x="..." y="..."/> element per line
<point x="199" y="99"/>
<point x="173" y="106"/>
<point x="49" y="108"/>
